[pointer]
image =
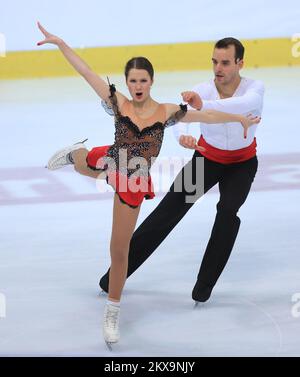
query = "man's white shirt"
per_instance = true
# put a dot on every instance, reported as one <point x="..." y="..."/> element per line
<point x="247" y="99"/>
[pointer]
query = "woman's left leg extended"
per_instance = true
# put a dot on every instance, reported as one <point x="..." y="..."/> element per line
<point x="80" y="165"/>
<point x="124" y="222"/>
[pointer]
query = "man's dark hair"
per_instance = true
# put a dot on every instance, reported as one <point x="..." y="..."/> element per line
<point x="239" y="48"/>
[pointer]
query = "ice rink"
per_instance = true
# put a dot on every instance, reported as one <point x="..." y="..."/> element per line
<point x="55" y="233"/>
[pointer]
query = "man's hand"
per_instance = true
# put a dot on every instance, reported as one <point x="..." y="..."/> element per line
<point x="193" y="99"/>
<point x="190" y="142"/>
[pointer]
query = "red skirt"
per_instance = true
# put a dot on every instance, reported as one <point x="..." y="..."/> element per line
<point x="131" y="191"/>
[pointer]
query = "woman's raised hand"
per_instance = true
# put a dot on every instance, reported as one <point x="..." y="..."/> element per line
<point x="49" y="38"/>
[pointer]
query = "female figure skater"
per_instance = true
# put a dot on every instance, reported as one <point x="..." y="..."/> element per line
<point x="139" y="130"/>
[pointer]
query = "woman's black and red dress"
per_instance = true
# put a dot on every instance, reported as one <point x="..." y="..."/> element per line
<point x="128" y="160"/>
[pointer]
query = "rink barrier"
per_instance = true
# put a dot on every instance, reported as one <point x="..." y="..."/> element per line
<point x="273" y="52"/>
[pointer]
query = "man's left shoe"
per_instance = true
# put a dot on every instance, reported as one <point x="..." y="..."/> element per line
<point x="201" y="292"/>
<point x="104" y="281"/>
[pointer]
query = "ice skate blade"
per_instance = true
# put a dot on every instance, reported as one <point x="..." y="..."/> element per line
<point x="198" y="304"/>
<point x="109" y="345"/>
<point x="102" y="293"/>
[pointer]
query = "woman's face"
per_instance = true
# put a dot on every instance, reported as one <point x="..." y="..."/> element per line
<point x="139" y="84"/>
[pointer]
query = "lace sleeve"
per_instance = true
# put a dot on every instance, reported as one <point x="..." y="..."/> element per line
<point x="108" y="108"/>
<point x="176" y="117"/>
<point x="112" y="107"/>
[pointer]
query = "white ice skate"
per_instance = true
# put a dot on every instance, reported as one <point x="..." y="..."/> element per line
<point x="111" y="332"/>
<point x="60" y="158"/>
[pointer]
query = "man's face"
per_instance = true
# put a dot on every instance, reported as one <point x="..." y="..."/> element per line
<point x="226" y="69"/>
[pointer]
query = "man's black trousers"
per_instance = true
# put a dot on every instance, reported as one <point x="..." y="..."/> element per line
<point x="234" y="182"/>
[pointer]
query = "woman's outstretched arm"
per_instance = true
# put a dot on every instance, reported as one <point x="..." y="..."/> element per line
<point x="212" y="117"/>
<point x="96" y="82"/>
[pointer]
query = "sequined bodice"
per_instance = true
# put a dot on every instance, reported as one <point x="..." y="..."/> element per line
<point x="134" y="150"/>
